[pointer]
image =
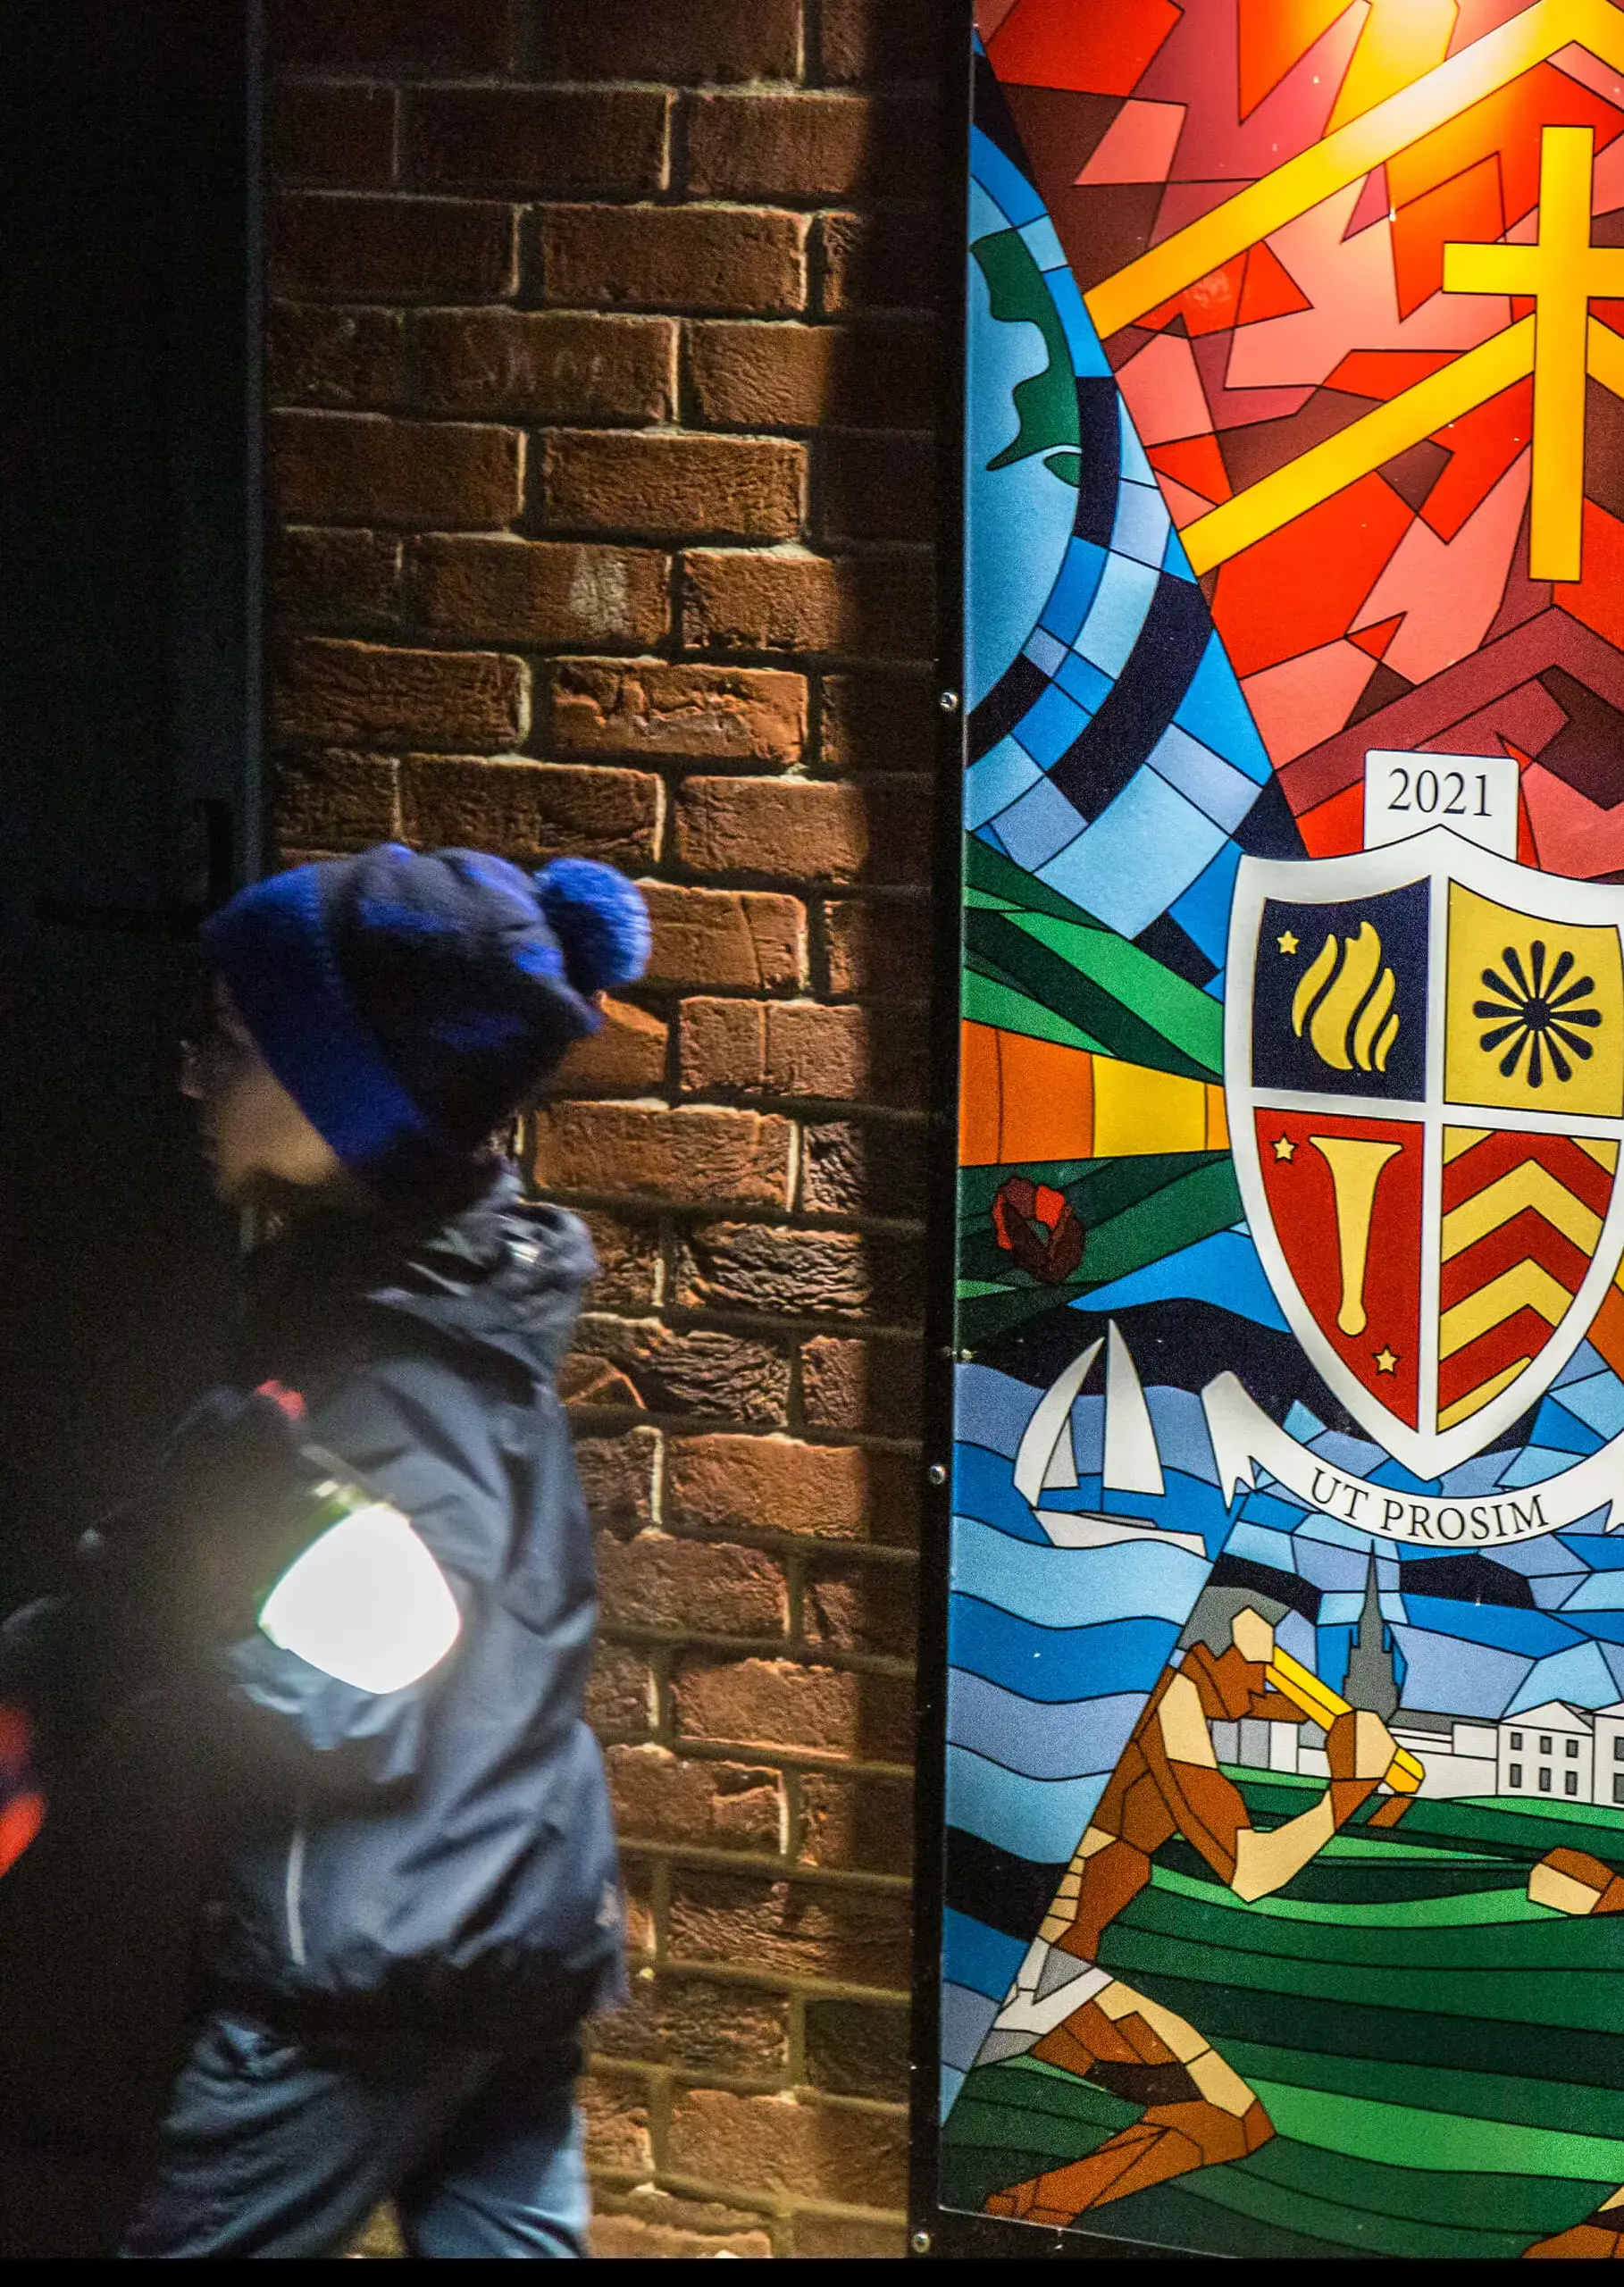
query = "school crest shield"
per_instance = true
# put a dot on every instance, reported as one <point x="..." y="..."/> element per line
<point x="1424" y="1072"/>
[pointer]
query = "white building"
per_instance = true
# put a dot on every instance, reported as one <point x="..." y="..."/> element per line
<point x="1573" y="1754"/>
<point x="1458" y="1756"/>
<point x="1607" y="1779"/>
<point x="1563" y="1754"/>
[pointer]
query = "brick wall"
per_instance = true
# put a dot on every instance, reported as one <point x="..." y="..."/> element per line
<point x="604" y="376"/>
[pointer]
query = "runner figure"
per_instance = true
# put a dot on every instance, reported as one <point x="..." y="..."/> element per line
<point x="1067" y="2011"/>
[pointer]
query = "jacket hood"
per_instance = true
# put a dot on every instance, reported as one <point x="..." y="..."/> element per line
<point x="496" y="1272"/>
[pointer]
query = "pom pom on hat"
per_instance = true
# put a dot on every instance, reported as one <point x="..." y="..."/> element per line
<point x="600" y="921"/>
<point x="411" y="1002"/>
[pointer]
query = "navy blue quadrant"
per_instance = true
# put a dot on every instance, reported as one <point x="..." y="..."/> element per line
<point x="1291" y="936"/>
<point x="1142" y="702"/>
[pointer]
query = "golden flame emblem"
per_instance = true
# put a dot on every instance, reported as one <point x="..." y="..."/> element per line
<point x="1345" y="1000"/>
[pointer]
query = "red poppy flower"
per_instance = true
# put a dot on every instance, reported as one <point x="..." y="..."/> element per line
<point x="1040" y="1227"/>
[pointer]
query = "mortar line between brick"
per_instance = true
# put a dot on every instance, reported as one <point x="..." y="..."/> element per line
<point x="656" y="1482"/>
<point x="809" y="1760"/>
<point x="762" y="2207"/>
<point x="708" y="1425"/>
<point x="677" y="164"/>
<point x="751" y="1756"/>
<point x="659" y="1907"/>
<point x="782" y="1544"/>
<point x="799" y="203"/>
<point x="796" y="2030"/>
<point x="782" y="1983"/>
<point x="858" y="1880"/>
<point x="811" y="59"/>
<point x="376" y="80"/>
<point x="795" y="1651"/>
<point x="759" y="1327"/>
<point x="824" y="1223"/>
<point x="706" y="2188"/>
<point x="606" y="2066"/>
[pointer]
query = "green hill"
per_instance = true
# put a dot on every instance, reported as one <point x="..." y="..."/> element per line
<point x="1440" y="2058"/>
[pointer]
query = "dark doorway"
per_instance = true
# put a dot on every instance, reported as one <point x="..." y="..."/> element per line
<point x="129" y="757"/>
<point x="128" y="712"/>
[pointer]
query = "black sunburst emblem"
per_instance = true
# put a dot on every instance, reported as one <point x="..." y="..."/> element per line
<point x="1538" y="1018"/>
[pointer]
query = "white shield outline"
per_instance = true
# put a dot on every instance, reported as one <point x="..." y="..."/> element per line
<point x="1441" y="858"/>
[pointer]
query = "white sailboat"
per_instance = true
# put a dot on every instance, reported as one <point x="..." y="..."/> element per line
<point x="1051" y="1983"/>
<point x="1047" y="1460"/>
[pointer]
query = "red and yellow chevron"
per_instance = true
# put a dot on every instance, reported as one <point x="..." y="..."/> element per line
<point x="1522" y="1218"/>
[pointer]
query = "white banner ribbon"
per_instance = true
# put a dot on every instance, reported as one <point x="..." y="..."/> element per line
<point x="1242" y="1436"/>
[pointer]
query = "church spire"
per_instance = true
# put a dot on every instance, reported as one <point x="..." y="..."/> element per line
<point x="1370" y="1681"/>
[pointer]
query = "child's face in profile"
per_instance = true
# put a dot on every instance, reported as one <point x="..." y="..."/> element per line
<point x="259" y="1145"/>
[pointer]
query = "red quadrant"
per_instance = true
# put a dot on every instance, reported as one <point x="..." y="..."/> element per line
<point x="1384" y="1354"/>
<point x="1517" y="1191"/>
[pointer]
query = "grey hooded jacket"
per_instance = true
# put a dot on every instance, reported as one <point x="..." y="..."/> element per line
<point x="440" y="1856"/>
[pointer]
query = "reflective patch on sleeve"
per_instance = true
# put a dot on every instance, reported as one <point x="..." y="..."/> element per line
<point x="365" y="1603"/>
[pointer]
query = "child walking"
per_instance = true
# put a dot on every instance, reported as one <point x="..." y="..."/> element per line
<point x="379" y="1569"/>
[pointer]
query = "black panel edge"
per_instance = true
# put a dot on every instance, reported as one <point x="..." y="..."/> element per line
<point x="925" y="2236"/>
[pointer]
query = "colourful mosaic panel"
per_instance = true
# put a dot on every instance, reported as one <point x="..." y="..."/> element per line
<point x="1286" y="1729"/>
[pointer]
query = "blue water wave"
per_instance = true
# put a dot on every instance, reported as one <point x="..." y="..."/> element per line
<point x="1057" y="1664"/>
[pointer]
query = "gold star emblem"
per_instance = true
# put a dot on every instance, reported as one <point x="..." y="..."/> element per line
<point x="1286" y="941"/>
<point x="1284" y="1147"/>
<point x="1385" y="1361"/>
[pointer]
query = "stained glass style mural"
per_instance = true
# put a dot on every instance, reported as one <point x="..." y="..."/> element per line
<point x="1285" y="1760"/>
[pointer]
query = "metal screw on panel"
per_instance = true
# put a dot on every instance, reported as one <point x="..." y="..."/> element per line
<point x="949" y="702"/>
<point x="936" y="1473"/>
<point x="920" y="2243"/>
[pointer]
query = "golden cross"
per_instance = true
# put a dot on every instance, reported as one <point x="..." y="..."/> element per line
<point x="1564" y="274"/>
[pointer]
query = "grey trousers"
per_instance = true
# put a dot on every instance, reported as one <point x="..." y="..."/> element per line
<point x="273" y="2146"/>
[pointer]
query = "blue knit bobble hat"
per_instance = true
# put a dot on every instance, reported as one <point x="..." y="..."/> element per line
<point x="410" y="1003"/>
